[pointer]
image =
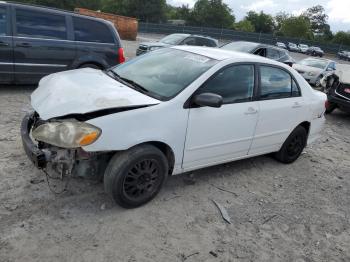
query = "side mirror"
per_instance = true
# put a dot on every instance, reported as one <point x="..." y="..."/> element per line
<point x="208" y="99"/>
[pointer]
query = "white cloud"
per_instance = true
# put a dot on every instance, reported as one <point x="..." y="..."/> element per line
<point x="338" y="11"/>
<point x="259" y="5"/>
<point x="181" y="2"/>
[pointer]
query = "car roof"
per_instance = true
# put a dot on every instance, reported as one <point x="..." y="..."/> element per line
<point x="221" y="54"/>
<point x="259" y="45"/>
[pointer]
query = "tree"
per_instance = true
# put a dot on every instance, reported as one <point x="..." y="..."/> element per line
<point x="342" y="37"/>
<point x="296" y="26"/>
<point x="279" y="20"/>
<point x="245" y="26"/>
<point x="182" y="12"/>
<point x="318" y="19"/>
<point x="263" y="23"/>
<point x="212" y="13"/>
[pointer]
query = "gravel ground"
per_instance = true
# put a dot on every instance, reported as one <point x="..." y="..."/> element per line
<point x="298" y="212"/>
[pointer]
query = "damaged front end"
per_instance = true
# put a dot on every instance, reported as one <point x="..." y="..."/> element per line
<point x="62" y="161"/>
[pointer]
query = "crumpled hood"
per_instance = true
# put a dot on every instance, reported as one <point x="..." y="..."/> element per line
<point x="305" y="68"/>
<point x="83" y="91"/>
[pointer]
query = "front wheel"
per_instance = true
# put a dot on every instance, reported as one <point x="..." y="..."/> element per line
<point x="293" y="146"/>
<point x="134" y="177"/>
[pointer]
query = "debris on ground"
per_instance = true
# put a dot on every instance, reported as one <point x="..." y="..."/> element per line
<point x="223" y="212"/>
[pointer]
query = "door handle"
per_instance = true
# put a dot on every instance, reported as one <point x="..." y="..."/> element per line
<point x="251" y="111"/>
<point x="4" y="44"/>
<point x="26" y="45"/>
<point x="296" y="105"/>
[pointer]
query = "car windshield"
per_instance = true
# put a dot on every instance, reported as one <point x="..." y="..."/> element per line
<point x="173" y="39"/>
<point x="245" y="47"/>
<point x="163" y="73"/>
<point x="314" y="63"/>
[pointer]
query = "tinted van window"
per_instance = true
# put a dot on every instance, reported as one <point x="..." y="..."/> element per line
<point x="40" y="24"/>
<point x="87" y="30"/>
<point x="2" y="21"/>
<point x="235" y="84"/>
<point x="277" y="83"/>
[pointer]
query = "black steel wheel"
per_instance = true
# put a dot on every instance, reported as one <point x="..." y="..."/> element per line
<point x="134" y="177"/>
<point x="293" y="146"/>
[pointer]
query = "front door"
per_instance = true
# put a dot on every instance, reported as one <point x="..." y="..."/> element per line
<point x="40" y="44"/>
<point x="217" y="135"/>
<point x="6" y="47"/>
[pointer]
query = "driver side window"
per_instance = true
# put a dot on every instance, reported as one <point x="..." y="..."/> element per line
<point x="189" y="41"/>
<point x="235" y="84"/>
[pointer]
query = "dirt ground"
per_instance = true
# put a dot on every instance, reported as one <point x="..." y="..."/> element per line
<point x="298" y="212"/>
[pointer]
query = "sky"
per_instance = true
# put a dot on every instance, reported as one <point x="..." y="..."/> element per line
<point x="337" y="10"/>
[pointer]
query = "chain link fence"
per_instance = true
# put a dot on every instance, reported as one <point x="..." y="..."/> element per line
<point x="233" y="35"/>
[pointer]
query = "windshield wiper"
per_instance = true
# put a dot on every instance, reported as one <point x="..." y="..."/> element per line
<point x="133" y="84"/>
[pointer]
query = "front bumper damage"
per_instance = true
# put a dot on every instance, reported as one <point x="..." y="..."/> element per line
<point x="63" y="162"/>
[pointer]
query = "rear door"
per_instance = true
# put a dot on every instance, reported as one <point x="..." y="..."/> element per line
<point x="6" y="46"/>
<point x="41" y="44"/>
<point x="282" y="108"/>
<point x="96" y="43"/>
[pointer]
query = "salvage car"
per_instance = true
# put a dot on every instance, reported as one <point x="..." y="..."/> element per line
<point x="37" y="41"/>
<point x="168" y="112"/>
<point x="337" y="88"/>
<point x="344" y="55"/>
<point x="281" y="45"/>
<point x="314" y="69"/>
<point x="303" y="48"/>
<point x="292" y="47"/>
<point x="315" y="51"/>
<point x="268" y="51"/>
<point x="177" y="39"/>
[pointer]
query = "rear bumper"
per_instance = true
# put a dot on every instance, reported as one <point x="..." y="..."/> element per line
<point x="341" y="103"/>
<point x="36" y="155"/>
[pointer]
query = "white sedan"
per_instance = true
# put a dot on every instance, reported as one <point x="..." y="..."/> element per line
<point x="168" y="112"/>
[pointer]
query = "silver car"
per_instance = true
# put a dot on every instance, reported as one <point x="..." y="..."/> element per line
<point x="313" y="69"/>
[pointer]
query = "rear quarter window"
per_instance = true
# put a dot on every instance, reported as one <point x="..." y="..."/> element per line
<point x="87" y="30"/>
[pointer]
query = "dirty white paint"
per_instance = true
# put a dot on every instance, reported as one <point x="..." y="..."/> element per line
<point x="82" y="91"/>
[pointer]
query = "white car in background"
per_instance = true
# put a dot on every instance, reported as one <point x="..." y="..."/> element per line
<point x="303" y="48"/>
<point x="168" y="112"/>
<point x="314" y="69"/>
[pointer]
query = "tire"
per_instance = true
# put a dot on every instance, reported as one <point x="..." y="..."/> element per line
<point x="90" y="66"/>
<point x="318" y="82"/>
<point x="293" y="146"/>
<point x="134" y="177"/>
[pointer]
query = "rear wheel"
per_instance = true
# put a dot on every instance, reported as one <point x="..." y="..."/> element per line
<point x="318" y="81"/>
<point x="135" y="177"/>
<point x="293" y="146"/>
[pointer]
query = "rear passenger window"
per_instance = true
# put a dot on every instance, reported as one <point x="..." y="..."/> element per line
<point x="37" y="24"/>
<point x="87" y="30"/>
<point x="205" y="42"/>
<point x="190" y="41"/>
<point x="2" y="21"/>
<point x="277" y="83"/>
<point x="235" y="84"/>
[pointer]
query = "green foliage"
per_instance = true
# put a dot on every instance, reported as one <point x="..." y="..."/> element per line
<point x="211" y="13"/>
<point x="318" y="19"/>
<point x="182" y="12"/>
<point x="245" y="26"/>
<point x="263" y="23"/>
<point x="296" y="26"/>
<point x="342" y="37"/>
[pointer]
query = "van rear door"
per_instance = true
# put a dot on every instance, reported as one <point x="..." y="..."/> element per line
<point x="41" y="43"/>
<point x="6" y="46"/>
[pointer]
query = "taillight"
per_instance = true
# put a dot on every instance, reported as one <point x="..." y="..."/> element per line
<point x="121" y="56"/>
<point x="327" y="104"/>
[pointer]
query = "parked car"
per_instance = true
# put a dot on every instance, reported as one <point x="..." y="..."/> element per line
<point x="303" y="48"/>
<point x="337" y="88"/>
<point x="268" y="51"/>
<point x="292" y="47"/>
<point x="313" y="69"/>
<point x="344" y="55"/>
<point x="177" y="39"/>
<point x="37" y="41"/>
<point x="120" y="123"/>
<point x="281" y="45"/>
<point x="315" y="51"/>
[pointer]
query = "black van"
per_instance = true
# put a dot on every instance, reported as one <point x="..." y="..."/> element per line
<point x="36" y="41"/>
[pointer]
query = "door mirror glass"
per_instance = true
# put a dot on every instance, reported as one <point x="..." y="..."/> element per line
<point x="208" y="99"/>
